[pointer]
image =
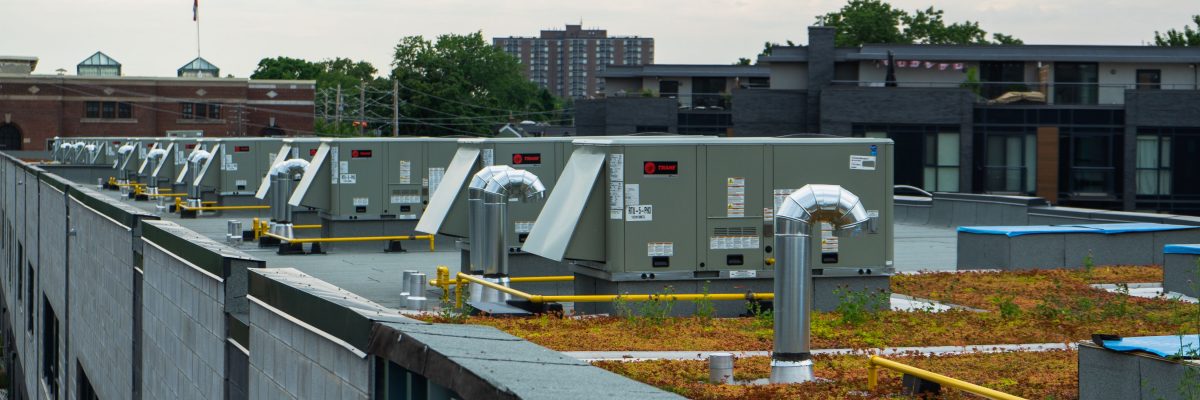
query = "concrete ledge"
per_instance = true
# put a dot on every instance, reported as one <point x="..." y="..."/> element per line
<point x="1181" y="274"/>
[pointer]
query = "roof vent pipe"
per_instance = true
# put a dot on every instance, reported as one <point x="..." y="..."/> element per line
<point x="283" y="175"/>
<point x="801" y="212"/>
<point x="155" y="158"/>
<point x="195" y="160"/>
<point x="489" y="192"/>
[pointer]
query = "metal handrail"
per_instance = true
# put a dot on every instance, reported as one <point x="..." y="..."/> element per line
<point x="601" y="298"/>
<point x="877" y="361"/>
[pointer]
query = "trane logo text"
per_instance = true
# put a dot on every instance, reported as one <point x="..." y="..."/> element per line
<point x="360" y="153"/>
<point x="660" y="167"/>
<point x="526" y="158"/>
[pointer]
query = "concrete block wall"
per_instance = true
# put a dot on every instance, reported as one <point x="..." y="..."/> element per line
<point x="183" y="328"/>
<point x="52" y="240"/>
<point x="293" y="360"/>
<point x="101" y="309"/>
<point x="26" y="335"/>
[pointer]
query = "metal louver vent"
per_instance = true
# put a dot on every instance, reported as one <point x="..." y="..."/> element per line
<point x="735" y="231"/>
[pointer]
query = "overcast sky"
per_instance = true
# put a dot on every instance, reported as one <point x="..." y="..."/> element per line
<point x="155" y="37"/>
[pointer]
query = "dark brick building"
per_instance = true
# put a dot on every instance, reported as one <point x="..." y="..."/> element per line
<point x="1096" y="126"/>
<point x="567" y="62"/>
<point x="35" y="108"/>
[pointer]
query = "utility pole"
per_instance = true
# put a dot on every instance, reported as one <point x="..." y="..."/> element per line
<point x="337" y="108"/>
<point x="395" y="107"/>
<point x="362" y="107"/>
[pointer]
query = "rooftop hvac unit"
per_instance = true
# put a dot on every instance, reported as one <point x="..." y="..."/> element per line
<point x="633" y="214"/>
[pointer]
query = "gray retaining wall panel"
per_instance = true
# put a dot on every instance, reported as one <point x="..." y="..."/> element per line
<point x="290" y="360"/>
<point x="1181" y="274"/>
<point x="1107" y="374"/>
<point x="1134" y="248"/>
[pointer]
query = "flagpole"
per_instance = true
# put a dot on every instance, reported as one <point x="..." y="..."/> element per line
<point x="197" y="34"/>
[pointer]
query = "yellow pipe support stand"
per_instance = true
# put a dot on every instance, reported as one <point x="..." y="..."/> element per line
<point x="567" y="278"/>
<point x="603" y="298"/>
<point x="353" y="239"/>
<point x="224" y="208"/>
<point x="134" y="184"/>
<point x="877" y="361"/>
<point x="314" y="226"/>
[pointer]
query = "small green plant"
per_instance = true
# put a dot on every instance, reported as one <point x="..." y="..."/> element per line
<point x="621" y="308"/>
<point x="704" y="306"/>
<point x="972" y="81"/>
<point x="657" y="310"/>
<point x="857" y="307"/>
<point x="763" y="317"/>
<point x="450" y="314"/>
<point x="1008" y="309"/>
<point x="1089" y="263"/>
<point x="648" y="93"/>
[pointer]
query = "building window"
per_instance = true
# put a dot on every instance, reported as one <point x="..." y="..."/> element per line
<point x="1153" y="165"/>
<point x="1000" y="77"/>
<point x="1011" y="163"/>
<point x="941" y="162"/>
<point x="91" y="109"/>
<point x="1092" y="168"/>
<point x="200" y="111"/>
<point x="1149" y="79"/>
<point x="84" y="385"/>
<point x="107" y="110"/>
<point x="1076" y="83"/>
<point x="124" y="110"/>
<point x="29" y="292"/>
<point x="50" y="358"/>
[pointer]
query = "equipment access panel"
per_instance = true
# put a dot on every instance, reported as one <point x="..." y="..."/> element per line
<point x="540" y="157"/>
<point x="733" y="212"/>
<point x="405" y="171"/>
<point x="243" y="163"/>
<point x="862" y="166"/>
<point x="360" y="169"/>
<point x="652" y="210"/>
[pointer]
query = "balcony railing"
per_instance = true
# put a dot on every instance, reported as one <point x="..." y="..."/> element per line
<point x="1052" y="93"/>
<point x="717" y="102"/>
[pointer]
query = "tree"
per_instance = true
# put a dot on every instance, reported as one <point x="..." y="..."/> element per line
<point x="862" y="22"/>
<point x="327" y="73"/>
<point x="1174" y="38"/>
<point x="462" y="84"/>
<point x="742" y="61"/>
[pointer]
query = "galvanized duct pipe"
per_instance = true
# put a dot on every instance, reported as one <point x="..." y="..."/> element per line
<point x="154" y="157"/>
<point x="490" y="190"/>
<point x="196" y="160"/>
<point x="802" y="212"/>
<point x="283" y="176"/>
<point x="123" y="173"/>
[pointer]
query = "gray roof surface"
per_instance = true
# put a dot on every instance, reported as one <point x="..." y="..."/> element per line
<point x="1032" y="52"/>
<point x="693" y="70"/>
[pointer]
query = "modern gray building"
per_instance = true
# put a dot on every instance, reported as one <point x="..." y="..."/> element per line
<point x="1095" y="126"/>
<point x="567" y="62"/>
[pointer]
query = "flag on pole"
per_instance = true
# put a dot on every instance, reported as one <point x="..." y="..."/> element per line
<point x="196" y="10"/>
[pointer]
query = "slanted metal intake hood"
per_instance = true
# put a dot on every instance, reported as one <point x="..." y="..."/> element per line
<point x="555" y="226"/>
<point x="453" y="185"/>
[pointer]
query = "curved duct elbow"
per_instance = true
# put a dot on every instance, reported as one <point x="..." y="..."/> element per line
<point x="125" y="149"/>
<point x="499" y="183"/>
<point x="156" y="154"/>
<point x="824" y="203"/>
<point x="91" y="148"/>
<point x="199" y="156"/>
<point x="290" y="167"/>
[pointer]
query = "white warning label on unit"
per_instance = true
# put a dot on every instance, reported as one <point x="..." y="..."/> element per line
<point x="660" y="249"/>
<point x="348" y="179"/>
<point x="866" y="163"/>
<point x="780" y="195"/>
<point x="616" y="199"/>
<point x="179" y="157"/>
<point x="239" y="182"/>
<point x="616" y="167"/>
<point x="872" y="213"/>
<point x="227" y="163"/>
<point x="632" y="194"/>
<point x="141" y="152"/>
<point x="735" y="197"/>
<point x="733" y="242"/>
<point x="405" y="199"/>
<point x="749" y="273"/>
<point x="435" y="178"/>
<point x="271" y="156"/>
<point x="344" y="166"/>
<point x="644" y="212"/>
<point x="829" y="242"/>
<point x="405" y="172"/>
<point x="489" y="157"/>
<point x="333" y="157"/>
<point x="523" y="226"/>
<point x="361" y="201"/>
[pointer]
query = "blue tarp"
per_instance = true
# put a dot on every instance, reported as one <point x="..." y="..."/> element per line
<point x="1019" y="230"/>
<point x="1135" y="227"/>
<point x="1184" y="346"/>
<point x="1108" y="229"/>
<point x="1181" y="249"/>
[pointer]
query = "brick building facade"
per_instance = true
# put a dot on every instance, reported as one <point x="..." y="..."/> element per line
<point x="35" y="108"/>
<point x="568" y="62"/>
